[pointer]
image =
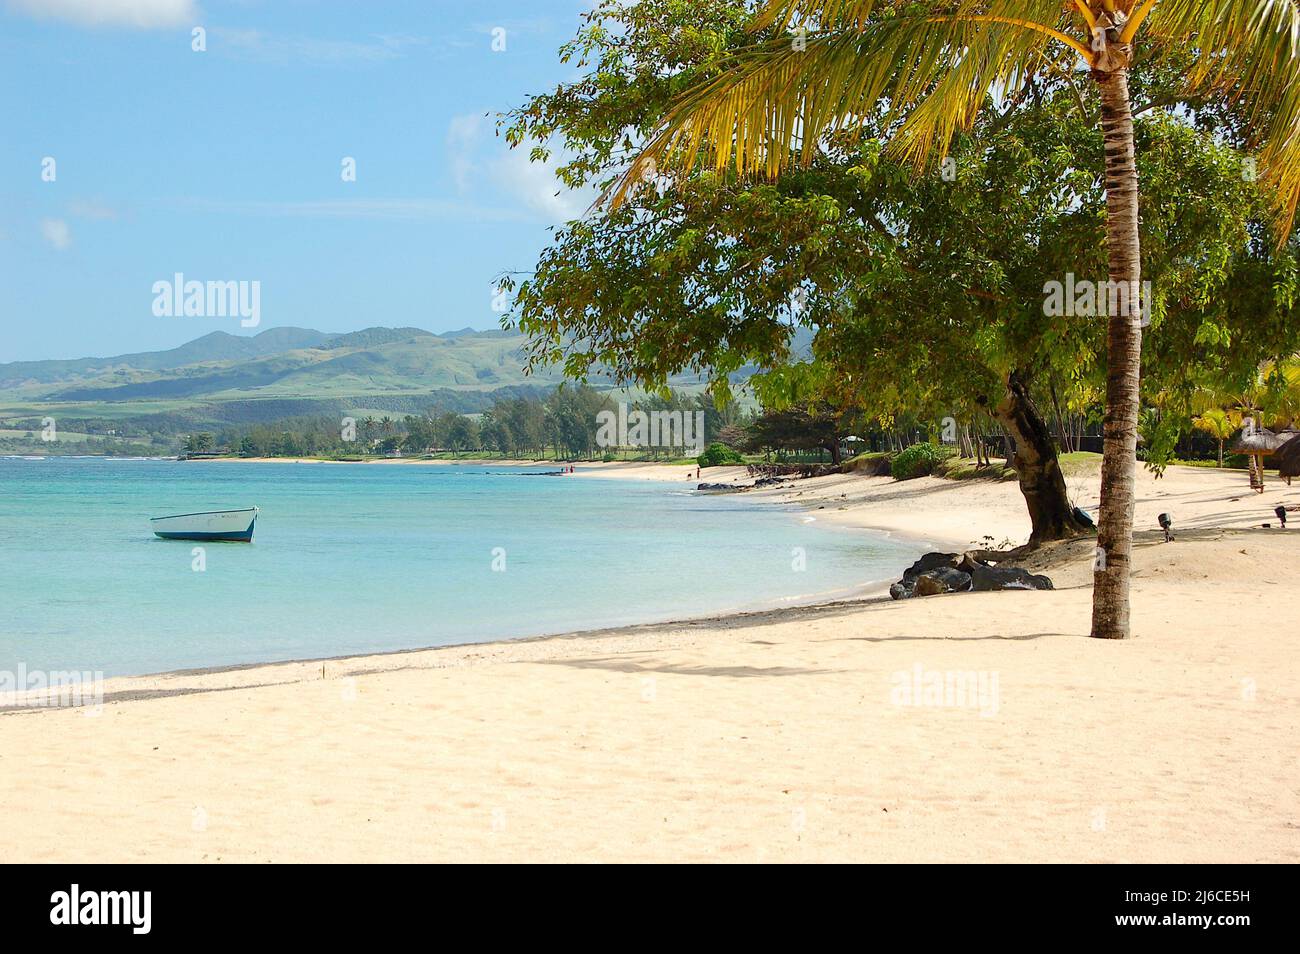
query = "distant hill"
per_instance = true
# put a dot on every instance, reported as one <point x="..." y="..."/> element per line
<point x="374" y="337"/>
<point x="222" y="377"/>
<point x="217" y="346"/>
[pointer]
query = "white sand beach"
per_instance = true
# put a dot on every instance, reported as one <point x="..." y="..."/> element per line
<point x="790" y="735"/>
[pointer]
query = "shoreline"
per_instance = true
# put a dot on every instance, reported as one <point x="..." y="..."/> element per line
<point x="202" y="679"/>
<point x="121" y="686"/>
<point x="810" y="497"/>
<point x="423" y="461"/>
<point x="819" y="493"/>
<point x="794" y="734"/>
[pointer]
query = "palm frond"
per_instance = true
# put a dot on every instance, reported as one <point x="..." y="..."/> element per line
<point x="932" y="72"/>
<point x="1249" y="48"/>
<point x="861" y="14"/>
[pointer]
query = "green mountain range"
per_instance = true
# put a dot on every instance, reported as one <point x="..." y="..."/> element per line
<point x="282" y="372"/>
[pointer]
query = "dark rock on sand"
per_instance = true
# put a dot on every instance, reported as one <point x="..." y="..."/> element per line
<point x="931" y="561"/>
<point x="942" y="580"/>
<point x="903" y="590"/>
<point x="937" y="573"/>
<point x="988" y="578"/>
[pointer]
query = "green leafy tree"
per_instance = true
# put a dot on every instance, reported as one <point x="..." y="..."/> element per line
<point x="1219" y="424"/>
<point x="707" y="81"/>
<point x="462" y="434"/>
<point x="200" y="443"/>
<point x="718" y="454"/>
<point x="932" y="65"/>
<point x="494" y="433"/>
<point x="803" y="427"/>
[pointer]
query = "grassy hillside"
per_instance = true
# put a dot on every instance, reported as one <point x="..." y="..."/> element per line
<point x="211" y="348"/>
<point x="282" y="372"/>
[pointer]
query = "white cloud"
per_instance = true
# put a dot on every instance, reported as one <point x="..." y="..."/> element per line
<point x="478" y="161"/>
<point x="534" y="184"/>
<point x="463" y="136"/>
<point x="142" y="14"/>
<point x="57" y="233"/>
<point x="92" y="209"/>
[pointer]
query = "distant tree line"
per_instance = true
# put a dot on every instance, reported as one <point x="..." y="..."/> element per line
<point x="561" y="425"/>
<point x="30" y="443"/>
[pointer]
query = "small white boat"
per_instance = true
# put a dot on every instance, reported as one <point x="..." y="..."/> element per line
<point x="213" y="525"/>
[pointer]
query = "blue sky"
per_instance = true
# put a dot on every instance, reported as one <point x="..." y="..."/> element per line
<point x="226" y="164"/>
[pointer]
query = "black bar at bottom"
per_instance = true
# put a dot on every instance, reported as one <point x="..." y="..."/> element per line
<point x="139" y="903"/>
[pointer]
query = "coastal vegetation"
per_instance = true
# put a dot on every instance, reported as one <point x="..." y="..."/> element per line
<point x="918" y="460"/>
<point x="528" y="428"/>
<point x="718" y="454"/>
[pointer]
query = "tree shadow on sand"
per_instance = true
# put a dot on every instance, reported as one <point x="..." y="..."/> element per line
<point x="1018" y="638"/>
<point x="623" y="664"/>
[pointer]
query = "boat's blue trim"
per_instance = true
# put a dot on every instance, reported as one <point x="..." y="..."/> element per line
<point x="235" y="536"/>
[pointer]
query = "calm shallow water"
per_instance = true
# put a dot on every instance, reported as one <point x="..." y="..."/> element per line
<point x="359" y="558"/>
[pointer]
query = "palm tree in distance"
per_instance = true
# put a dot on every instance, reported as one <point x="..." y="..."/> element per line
<point x="1219" y="424"/>
<point x="929" y="66"/>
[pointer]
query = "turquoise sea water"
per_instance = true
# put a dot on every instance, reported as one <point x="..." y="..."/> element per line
<point x="360" y="558"/>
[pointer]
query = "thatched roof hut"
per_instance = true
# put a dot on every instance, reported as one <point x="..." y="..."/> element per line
<point x="1287" y="458"/>
<point x="1259" y="444"/>
<point x="1262" y="442"/>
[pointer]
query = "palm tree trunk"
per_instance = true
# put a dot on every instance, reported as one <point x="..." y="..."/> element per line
<point x="1110" y="595"/>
